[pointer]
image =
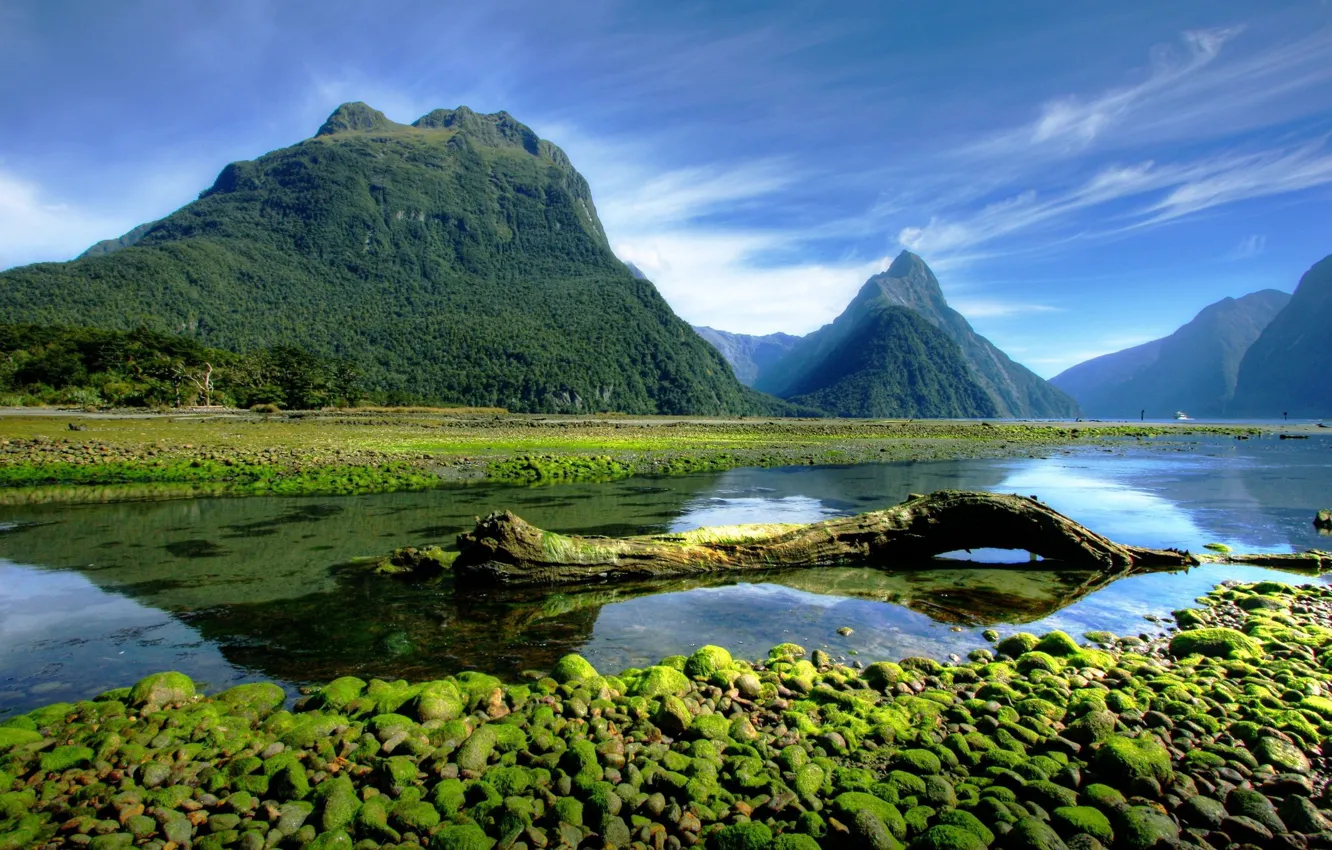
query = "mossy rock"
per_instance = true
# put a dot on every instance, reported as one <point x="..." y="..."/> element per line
<point x="572" y="667"/>
<point x="964" y="819"/>
<point x="853" y="801"/>
<point x="1015" y="645"/>
<point x="883" y="674"/>
<point x="1143" y="827"/>
<point x="261" y="698"/>
<point x="161" y="689"/>
<point x="1056" y="643"/>
<point x="1085" y="820"/>
<point x="1030" y="833"/>
<point x="1125" y="760"/>
<point x="11" y="737"/>
<point x="673" y="716"/>
<point x="795" y="840"/>
<point x="1029" y="662"/>
<point x="1215" y="643"/>
<point x="341" y="692"/>
<point x="748" y="835"/>
<point x="918" y="761"/>
<point x="475" y="752"/>
<point x="338" y="803"/>
<point x="658" y="680"/>
<point x="1284" y="756"/>
<point x="61" y="759"/>
<point x="467" y="836"/>
<point x="707" y="660"/>
<point x="945" y="837"/>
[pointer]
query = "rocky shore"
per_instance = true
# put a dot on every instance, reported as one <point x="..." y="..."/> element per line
<point x="1209" y="738"/>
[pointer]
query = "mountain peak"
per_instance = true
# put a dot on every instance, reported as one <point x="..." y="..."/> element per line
<point x="355" y="116"/>
<point x="499" y="129"/>
<point x="906" y="264"/>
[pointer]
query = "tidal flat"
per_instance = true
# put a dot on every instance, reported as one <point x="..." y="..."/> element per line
<point x="58" y="456"/>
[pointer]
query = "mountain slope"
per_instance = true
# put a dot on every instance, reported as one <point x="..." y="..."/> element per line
<point x="893" y="363"/>
<point x="748" y="355"/>
<point x="1286" y="368"/>
<point x="1194" y="369"/>
<point x="909" y="284"/>
<point x="458" y="259"/>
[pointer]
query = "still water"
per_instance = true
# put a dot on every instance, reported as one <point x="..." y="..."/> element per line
<point x="231" y="590"/>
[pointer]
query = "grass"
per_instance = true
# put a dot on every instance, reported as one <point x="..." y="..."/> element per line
<point x="61" y="456"/>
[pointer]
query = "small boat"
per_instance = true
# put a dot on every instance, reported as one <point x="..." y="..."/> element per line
<point x="1179" y="414"/>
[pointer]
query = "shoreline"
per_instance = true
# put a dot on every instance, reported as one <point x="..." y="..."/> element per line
<point x="1208" y="737"/>
<point x="97" y="457"/>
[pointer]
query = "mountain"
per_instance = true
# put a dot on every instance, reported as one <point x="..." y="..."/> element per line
<point x="909" y="285"/>
<point x="1194" y="369"/>
<point x="1286" y="368"/>
<point x="748" y="355"/>
<point x="891" y="362"/>
<point x="457" y="259"/>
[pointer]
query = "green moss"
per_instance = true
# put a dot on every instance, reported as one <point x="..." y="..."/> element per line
<point x="339" y="693"/>
<point x="1015" y="645"/>
<point x="853" y="801"/>
<point x="707" y="660"/>
<point x="1124" y="760"/>
<point x="11" y="737"/>
<point x="63" y="758"/>
<point x="161" y="689"/>
<point x="946" y="837"/>
<point x="795" y="840"/>
<point x="1058" y="644"/>
<point x="742" y="836"/>
<point x="1215" y="643"/>
<point x="1143" y="827"/>
<point x="660" y="680"/>
<point x="475" y="752"/>
<point x="467" y="836"/>
<point x="963" y="819"/>
<point x="1082" y="820"/>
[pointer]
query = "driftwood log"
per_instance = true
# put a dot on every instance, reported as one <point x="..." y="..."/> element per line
<point x="503" y="549"/>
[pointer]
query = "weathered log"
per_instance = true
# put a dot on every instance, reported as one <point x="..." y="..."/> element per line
<point x="503" y="549"/>
<point x="1311" y="562"/>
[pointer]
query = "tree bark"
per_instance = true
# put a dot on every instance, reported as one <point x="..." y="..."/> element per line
<point x="503" y="549"/>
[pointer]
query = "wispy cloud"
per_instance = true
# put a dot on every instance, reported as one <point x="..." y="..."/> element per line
<point x="1249" y="247"/>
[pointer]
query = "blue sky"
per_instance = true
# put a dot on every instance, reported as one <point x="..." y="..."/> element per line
<point x="1081" y="176"/>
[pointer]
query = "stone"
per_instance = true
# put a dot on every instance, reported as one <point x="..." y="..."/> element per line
<point x="1142" y="827"/>
<point x="153" y="692"/>
<point x="1282" y="755"/>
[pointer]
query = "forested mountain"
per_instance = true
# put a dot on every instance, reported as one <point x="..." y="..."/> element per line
<point x="748" y="355"/>
<point x="1286" y="368"/>
<point x="890" y="362"/>
<point x="1011" y="389"/>
<point x="458" y="259"/>
<point x="1194" y="369"/>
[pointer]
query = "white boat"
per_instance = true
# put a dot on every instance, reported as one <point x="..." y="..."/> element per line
<point x="1179" y="414"/>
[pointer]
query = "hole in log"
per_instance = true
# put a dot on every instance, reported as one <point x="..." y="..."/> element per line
<point x="1016" y="557"/>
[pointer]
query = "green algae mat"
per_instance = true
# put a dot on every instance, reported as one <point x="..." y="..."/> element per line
<point x="1210" y="738"/>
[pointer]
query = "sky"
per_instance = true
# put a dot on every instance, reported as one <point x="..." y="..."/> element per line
<point x="1082" y="177"/>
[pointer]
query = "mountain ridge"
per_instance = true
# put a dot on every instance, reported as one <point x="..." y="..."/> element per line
<point x="1285" y="370"/>
<point x="458" y="259"/>
<point x="1195" y="368"/>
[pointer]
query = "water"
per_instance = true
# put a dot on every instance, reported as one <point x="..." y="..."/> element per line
<point x="231" y="590"/>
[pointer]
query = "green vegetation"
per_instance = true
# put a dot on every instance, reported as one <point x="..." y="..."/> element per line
<point x="457" y="260"/>
<point x="139" y="368"/>
<point x="796" y="757"/>
<point x="350" y="451"/>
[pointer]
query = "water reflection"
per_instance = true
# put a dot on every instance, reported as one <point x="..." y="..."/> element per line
<point x="230" y="589"/>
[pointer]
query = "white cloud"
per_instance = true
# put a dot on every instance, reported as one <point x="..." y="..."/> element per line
<point x="1248" y="247"/>
<point x="993" y="308"/>
<point x="713" y="278"/>
<point x="35" y="227"/>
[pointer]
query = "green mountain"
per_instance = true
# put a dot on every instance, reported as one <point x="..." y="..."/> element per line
<point x="892" y="363"/>
<point x="458" y="259"/>
<point x="909" y="285"/>
<point x="1286" y="368"/>
<point x="1194" y="369"/>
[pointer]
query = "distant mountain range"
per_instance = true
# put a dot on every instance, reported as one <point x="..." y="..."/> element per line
<point x="459" y="259"/>
<point x="1195" y="369"/>
<point x="898" y="349"/>
<point x="748" y="355"/>
<point x="1286" y="369"/>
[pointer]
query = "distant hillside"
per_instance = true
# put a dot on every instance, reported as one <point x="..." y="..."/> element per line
<point x="458" y="259"/>
<point x="1012" y="389"/>
<point x="748" y="355"/>
<point x="1286" y="368"/>
<point x="1194" y="369"/>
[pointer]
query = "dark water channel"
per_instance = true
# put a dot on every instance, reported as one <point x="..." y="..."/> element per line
<point x="228" y="590"/>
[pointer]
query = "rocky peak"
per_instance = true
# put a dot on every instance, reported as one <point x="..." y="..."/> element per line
<point x="355" y="116"/>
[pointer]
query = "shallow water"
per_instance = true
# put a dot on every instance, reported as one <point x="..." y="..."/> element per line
<point x="228" y="590"/>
